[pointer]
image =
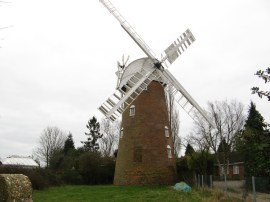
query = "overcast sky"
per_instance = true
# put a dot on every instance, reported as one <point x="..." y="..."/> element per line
<point x="58" y="60"/>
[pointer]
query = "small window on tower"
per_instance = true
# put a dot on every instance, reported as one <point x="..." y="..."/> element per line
<point x="132" y="110"/>
<point x="121" y="132"/>
<point x="137" y="156"/>
<point x="169" y="151"/>
<point x="166" y="131"/>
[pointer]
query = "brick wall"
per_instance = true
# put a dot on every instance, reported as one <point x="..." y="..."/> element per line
<point x="142" y="157"/>
<point x="230" y="174"/>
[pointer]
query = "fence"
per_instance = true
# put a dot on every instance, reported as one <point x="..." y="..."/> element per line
<point x="255" y="189"/>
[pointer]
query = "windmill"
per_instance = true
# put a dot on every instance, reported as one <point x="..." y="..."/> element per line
<point x="145" y="147"/>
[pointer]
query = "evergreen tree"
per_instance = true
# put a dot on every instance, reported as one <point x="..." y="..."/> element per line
<point x="254" y="143"/>
<point x="66" y="158"/>
<point x="223" y="153"/>
<point x="223" y="147"/>
<point x="189" y="150"/>
<point x="69" y="144"/>
<point x="92" y="137"/>
<point x="201" y="162"/>
<point x="255" y="121"/>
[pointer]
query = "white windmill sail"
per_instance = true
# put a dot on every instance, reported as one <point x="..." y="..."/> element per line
<point x="178" y="47"/>
<point x="183" y="98"/>
<point x="127" y="27"/>
<point x="121" y="99"/>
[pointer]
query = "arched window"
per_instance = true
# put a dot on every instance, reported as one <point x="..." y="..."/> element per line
<point x="121" y="132"/>
<point x="169" y="151"/>
<point x="166" y="131"/>
<point x="132" y="110"/>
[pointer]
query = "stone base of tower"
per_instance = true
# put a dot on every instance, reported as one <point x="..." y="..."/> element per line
<point x="145" y="154"/>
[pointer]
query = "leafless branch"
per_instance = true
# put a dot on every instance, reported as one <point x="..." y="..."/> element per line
<point x="109" y="141"/>
<point x="52" y="139"/>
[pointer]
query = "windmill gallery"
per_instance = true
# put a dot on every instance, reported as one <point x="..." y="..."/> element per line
<point x="145" y="154"/>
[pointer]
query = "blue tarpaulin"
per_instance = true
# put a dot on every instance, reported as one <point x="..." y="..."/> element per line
<point x="182" y="186"/>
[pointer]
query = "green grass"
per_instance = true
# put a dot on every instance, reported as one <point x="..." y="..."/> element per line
<point x="122" y="194"/>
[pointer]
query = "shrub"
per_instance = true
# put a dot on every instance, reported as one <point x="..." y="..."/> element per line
<point x="262" y="184"/>
<point x="89" y="164"/>
<point x="96" y="169"/>
<point x="183" y="172"/>
<point x="43" y="178"/>
<point x="39" y="177"/>
<point x="106" y="171"/>
<point x="15" y="187"/>
<point x="72" y="177"/>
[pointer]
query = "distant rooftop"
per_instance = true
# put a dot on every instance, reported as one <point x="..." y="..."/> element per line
<point x="15" y="160"/>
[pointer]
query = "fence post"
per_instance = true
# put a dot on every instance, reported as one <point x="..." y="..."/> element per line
<point x="202" y="180"/>
<point x="254" y="189"/>
<point x="225" y="178"/>
<point x="211" y="182"/>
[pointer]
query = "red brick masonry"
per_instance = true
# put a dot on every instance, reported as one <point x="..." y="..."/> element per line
<point x="142" y="157"/>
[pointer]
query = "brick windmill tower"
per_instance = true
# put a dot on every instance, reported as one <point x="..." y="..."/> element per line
<point x="145" y="153"/>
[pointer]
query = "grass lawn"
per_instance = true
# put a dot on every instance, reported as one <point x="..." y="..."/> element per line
<point x="124" y="194"/>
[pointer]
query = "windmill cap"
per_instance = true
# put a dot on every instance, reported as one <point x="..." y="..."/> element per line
<point x="139" y="65"/>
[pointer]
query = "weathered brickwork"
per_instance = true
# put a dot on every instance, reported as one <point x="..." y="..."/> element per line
<point x="142" y="156"/>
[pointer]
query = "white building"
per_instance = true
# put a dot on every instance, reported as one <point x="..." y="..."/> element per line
<point x="21" y="161"/>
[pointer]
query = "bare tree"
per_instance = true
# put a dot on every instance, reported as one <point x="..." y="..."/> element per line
<point x="198" y="141"/>
<point x="174" y="121"/>
<point x="52" y="139"/>
<point x="110" y="137"/>
<point x="229" y="120"/>
<point x="175" y="124"/>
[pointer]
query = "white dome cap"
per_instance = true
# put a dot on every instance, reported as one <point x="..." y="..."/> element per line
<point x="145" y="64"/>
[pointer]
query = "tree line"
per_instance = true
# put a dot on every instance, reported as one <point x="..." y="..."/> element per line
<point x="234" y="132"/>
<point x="91" y="163"/>
<point x="248" y="136"/>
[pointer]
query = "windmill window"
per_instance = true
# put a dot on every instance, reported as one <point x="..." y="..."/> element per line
<point x="166" y="131"/>
<point x="137" y="156"/>
<point x="169" y="151"/>
<point x="121" y="132"/>
<point x="132" y="111"/>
